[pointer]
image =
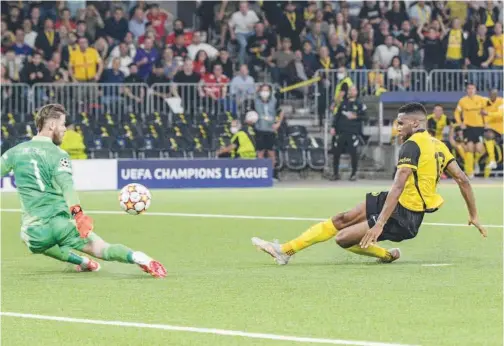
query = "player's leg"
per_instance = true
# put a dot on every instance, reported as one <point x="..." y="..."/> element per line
<point x="479" y="147"/>
<point x="469" y="158"/>
<point x="68" y="236"/>
<point x="489" y="143"/>
<point x="350" y="237"/>
<point x="97" y="247"/>
<point x="64" y="254"/>
<point x="317" y="233"/>
<point x="39" y="240"/>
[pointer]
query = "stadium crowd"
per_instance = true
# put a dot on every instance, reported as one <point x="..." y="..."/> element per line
<point x="135" y="41"/>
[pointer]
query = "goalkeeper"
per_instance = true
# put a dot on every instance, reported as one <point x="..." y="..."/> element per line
<point x="53" y="222"/>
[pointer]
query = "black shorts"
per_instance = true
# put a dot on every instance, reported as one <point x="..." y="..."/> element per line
<point x="403" y="223"/>
<point x="474" y="134"/>
<point x="265" y="140"/>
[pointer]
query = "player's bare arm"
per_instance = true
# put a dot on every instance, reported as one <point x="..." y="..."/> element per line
<point x="467" y="192"/>
<point x="397" y="188"/>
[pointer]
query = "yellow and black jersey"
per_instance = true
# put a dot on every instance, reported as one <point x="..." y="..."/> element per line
<point x="495" y="117"/>
<point x="468" y="111"/>
<point x="436" y="126"/>
<point x="428" y="158"/>
<point x="244" y="147"/>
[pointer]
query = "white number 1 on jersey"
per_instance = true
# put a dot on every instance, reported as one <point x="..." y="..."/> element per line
<point x="37" y="175"/>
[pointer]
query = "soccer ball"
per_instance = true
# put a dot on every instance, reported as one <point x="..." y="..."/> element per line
<point x="134" y="199"/>
<point x="251" y="117"/>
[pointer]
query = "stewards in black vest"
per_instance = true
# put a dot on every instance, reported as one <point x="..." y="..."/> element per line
<point x="346" y="129"/>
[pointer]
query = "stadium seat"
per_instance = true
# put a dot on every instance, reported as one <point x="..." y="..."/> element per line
<point x="157" y="118"/>
<point x="315" y="154"/>
<point x="149" y="154"/>
<point x="100" y="154"/>
<point x="295" y="159"/>
<point x="225" y="118"/>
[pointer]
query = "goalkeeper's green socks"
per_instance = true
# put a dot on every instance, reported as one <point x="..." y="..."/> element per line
<point x="118" y="253"/>
<point x="65" y="255"/>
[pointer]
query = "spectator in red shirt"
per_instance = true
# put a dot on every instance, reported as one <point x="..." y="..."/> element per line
<point x="216" y="83"/>
<point x="158" y="18"/>
<point x="216" y="90"/>
<point x="66" y="20"/>
<point x="201" y="64"/>
<point x="179" y="29"/>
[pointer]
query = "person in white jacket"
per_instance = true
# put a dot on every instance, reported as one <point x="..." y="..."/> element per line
<point x="197" y="45"/>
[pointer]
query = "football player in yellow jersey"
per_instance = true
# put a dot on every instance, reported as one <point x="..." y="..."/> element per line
<point x="437" y="121"/>
<point x="395" y="215"/>
<point x="494" y="113"/>
<point x="468" y="117"/>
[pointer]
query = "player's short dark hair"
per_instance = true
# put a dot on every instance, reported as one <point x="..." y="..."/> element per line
<point x="50" y="111"/>
<point x="438" y="105"/>
<point x="413" y="107"/>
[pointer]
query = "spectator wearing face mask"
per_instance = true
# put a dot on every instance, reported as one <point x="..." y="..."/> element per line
<point x="242" y="144"/>
<point x="267" y="124"/>
<point x="346" y="128"/>
<point x="341" y="90"/>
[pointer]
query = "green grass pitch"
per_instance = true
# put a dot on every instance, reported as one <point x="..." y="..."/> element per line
<point x="216" y="279"/>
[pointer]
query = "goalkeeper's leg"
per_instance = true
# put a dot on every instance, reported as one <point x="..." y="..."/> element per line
<point x="99" y="248"/>
<point x="63" y="253"/>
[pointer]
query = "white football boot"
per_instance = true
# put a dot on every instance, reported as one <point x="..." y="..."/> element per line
<point x="396" y="254"/>
<point x="273" y="249"/>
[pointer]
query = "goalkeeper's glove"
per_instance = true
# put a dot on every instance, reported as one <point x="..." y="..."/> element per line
<point x="84" y="223"/>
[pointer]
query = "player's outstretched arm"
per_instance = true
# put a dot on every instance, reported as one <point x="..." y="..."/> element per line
<point x="467" y="192"/>
<point x="391" y="201"/>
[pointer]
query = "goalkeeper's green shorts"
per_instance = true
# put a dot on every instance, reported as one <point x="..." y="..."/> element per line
<point x="60" y="230"/>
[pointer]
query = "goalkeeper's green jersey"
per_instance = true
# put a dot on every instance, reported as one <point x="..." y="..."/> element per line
<point x="43" y="175"/>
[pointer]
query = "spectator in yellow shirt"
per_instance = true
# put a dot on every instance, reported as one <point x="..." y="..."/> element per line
<point x="497" y="41"/>
<point x="85" y="63"/>
<point x="73" y="143"/>
<point x="468" y="116"/>
<point x="494" y="114"/>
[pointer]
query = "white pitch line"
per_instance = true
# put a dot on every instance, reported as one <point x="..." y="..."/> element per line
<point x="200" y="330"/>
<point x="437" y="265"/>
<point x="246" y="217"/>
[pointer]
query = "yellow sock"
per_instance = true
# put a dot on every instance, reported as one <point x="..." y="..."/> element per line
<point x="477" y="157"/>
<point x="461" y="151"/>
<point x="371" y="251"/>
<point x="317" y="233"/>
<point x="490" y="148"/>
<point x="487" y="171"/>
<point x="469" y="163"/>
